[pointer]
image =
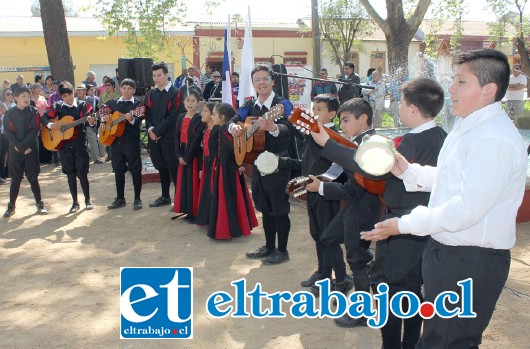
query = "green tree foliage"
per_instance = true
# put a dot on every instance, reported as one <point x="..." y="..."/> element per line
<point x="511" y="26"/>
<point x="443" y="11"/>
<point x="342" y="25"/>
<point x="511" y="23"/>
<point x="147" y="24"/>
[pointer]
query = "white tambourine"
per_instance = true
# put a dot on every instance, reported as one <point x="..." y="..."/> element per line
<point x="267" y="163"/>
<point x="376" y="155"/>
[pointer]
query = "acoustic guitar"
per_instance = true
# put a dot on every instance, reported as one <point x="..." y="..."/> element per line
<point x="251" y="142"/>
<point x="54" y="139"/>
<point x="306" y="122"/>
<point x="112" y="129"/>
<point x="296" y="186"/>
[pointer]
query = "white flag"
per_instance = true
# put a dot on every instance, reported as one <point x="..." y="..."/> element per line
<point x="246" y="90"/>
<point x="228" y="93"/>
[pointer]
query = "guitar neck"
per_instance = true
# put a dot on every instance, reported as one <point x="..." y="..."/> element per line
<point x="77" y="122"/>
<point x="339" y="139"/>
<point x="268" y="115"/>
<point x="306" y="123"/>
<point x="117" y="121"/>
<point x="135" y="112"/>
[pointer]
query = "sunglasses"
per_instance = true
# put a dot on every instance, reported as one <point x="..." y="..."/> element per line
<point x="216" y="77"/>
<point x="9" y="94"/>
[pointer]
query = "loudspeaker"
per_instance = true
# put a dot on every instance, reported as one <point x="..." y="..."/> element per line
<point x="142" y="72"/>
<point x="281" y="83"/>
<point x="125" y="68"/>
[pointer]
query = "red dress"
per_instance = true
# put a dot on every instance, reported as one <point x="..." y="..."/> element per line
<point x="188" y="138"/>
<point x="210" y="143"/>
<point x="231" y="211"/>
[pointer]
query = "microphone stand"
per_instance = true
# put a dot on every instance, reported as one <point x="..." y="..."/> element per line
<point x="342" y="82"/>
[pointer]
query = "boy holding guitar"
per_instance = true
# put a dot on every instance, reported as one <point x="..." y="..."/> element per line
<point x="21" y="128"/>
<point x="73" y="152"/>
<point x="125" y="148"/>
<point x="320" y="211"/>
<point x="268" y="192"/>
<point x="361" y="208"/>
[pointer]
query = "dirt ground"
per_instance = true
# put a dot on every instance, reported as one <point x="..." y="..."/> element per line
<point x="60" y="282"/>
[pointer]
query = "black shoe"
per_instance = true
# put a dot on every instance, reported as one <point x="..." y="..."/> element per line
<point x="41" y="209"/>
<point x="137" y="205"/>
<point x="2" y="181"/>
<point x="108" y="159"/>
<point x="261" y="252"/>
<point x="89" y="205"/>
<point x="10" y="210"/>
<point x="57" y="163"/>
<point x="117" y="203"/>
<point x="315" y="290"/>
<point x="161" y="201"/>
<point x="311" y="280"/>
<point x="276" y="257"/>
<point x="98" y="162"/>
<point x="75" y="207"/>
<point x="349" y="322"/>
<point x="344" y="286"/>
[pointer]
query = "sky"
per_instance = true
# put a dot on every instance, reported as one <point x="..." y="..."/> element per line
<point x="269" y="10"/>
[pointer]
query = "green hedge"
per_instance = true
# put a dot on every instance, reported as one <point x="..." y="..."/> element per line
<point x="523" y="122"/>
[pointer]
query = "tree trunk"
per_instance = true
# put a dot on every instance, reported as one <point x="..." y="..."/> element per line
<point x="398" y="30"/>
<point x="398" y="51"/>
<point x="525" y="61"/>
<point x="56" y="40"/>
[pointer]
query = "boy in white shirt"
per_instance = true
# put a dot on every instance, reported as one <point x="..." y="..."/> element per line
<point x="476" y="190"/>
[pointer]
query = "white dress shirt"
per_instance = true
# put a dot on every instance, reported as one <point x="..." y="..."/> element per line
<point x="267" y="104"/>
<point x="477" y="187"/>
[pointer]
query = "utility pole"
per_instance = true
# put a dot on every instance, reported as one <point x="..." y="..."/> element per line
<point x="316" y="35"/>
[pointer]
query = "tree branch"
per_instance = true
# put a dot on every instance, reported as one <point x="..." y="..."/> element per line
<point x="415" y="20"/>
<point x="375" y="16"/>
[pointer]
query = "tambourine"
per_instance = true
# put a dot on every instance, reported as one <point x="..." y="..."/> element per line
<point x="267" y="163"/>
<point x="376" y="155"/>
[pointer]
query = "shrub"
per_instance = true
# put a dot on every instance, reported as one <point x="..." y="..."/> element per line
<point x="523" y="122"/>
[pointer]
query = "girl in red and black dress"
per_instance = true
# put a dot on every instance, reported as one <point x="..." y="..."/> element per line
<point x="188" y="137"/>
<point x="210" y="147"/>
<point x="231" y="211"/>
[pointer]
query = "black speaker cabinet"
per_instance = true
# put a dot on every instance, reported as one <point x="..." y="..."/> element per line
<point x="281" y="83"/>
<point x="142" y="72"/>
<point x="125" y="68"/>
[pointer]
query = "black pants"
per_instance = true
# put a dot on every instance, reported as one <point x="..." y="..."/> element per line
<point x="398" y="261"/>
<point x="4" y="146"/>
<point x="321" y="212"/>
<point x="276" y="225"/>
<point x="443" y="267"/>
<point x="357" y="254"/>
<point x="20" y="164"/>
<point x="166" y="162"/>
